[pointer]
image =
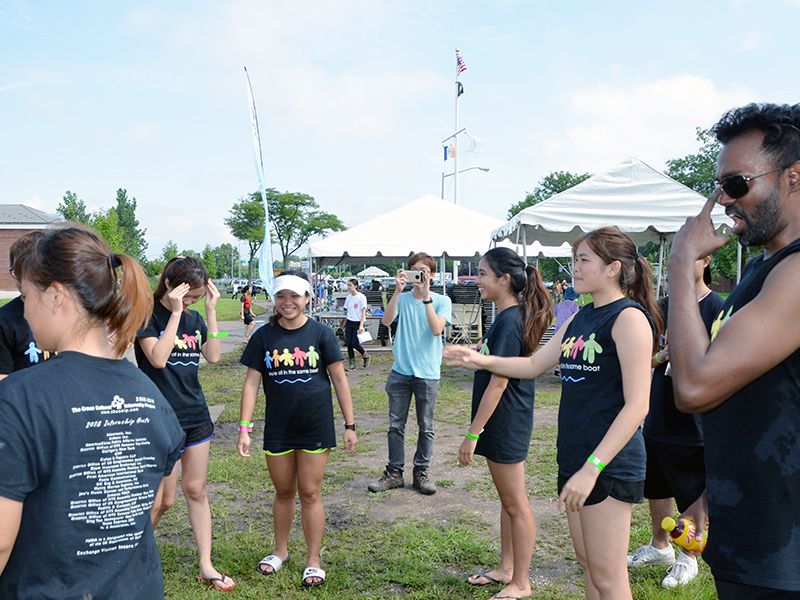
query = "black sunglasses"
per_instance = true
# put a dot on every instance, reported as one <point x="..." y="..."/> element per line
<point x="736" y="186"/>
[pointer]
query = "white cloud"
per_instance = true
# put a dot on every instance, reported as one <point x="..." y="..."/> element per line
<point x="12" y="86"/>
<point x="37" y="203"/>
<point x="652" y="120"/>
<point x="752" y="40"/>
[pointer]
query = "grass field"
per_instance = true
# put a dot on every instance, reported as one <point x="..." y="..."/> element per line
<point x="408" y="557"/>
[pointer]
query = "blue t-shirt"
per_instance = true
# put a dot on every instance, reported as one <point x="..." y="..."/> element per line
<point x="416" y="350"/>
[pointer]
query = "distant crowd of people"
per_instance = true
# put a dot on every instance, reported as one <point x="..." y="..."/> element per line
<point x="691" y="400"/>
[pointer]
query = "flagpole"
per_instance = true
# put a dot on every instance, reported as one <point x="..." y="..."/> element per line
<point x="455" y="168"/>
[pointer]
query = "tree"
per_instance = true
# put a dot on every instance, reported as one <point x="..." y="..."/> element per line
<point x="552" y="184"/>
<point x="106" y="224"/>
<point x="133" y="241"/>
<point x="209" y="258"/>
<point x="294" y="218"/>
<point x="169" y="251"/>
<point x="73" y="209"/>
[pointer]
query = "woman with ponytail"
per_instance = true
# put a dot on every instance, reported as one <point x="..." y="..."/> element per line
<point x="168" y="350"/>
<point x="86" y="437"/>
<point x="502" y="409"/>
<point x="604" y="357"/>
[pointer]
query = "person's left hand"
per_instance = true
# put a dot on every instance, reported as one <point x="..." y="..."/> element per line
<point x="578" y="488"/>
<point x="350" y="440"/>
<point x="360" y="330"/>
<point x="466" y="451"/>
<point x="212" y="295"/>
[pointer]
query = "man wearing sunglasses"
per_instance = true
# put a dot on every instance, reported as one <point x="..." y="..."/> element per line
<point x="746" y="380"/>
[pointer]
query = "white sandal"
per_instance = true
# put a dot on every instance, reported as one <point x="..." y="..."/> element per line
<point x="272" y="561"/>
<point x="313" y="572"/>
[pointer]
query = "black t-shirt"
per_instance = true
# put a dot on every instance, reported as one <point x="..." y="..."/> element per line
<point x="85" y="443"/>
<point x="753" y="463"/>
<point x="299" y="403"/>
<point x="592" y="395"/>
<point x="507" y="434"/>
<point x="665" y="423"/>
<point x="18" y="349"/>
<point x="178" y="380"/>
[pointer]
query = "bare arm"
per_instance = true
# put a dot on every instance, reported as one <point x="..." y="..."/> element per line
<point x="753" y="341"/>
<point x="513" y="367"/>
<point x="634" y="339"/>
<point x="10" y="519"/>
<point x="390" y="312"/>
<point x="249" y="394"/>
<point x="339" y="379"/>
<point x="363" y="318"/>
<point x="212" y="349"/>
<point x="489" y="401"/>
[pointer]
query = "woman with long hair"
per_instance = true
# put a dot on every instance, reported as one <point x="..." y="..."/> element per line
<point x="247" y="315"/>
<point x="296" y="358"/>
<point x="168" y="350"/>
<point x="502" y="409"/>
<point x="355" y="306"/>
<point x="604" y="357"/>
<point x="86" y="437"/>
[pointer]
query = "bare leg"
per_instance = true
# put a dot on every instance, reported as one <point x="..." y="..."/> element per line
<point x="165" y="498"/>
<point x="310" y="469"/>
<point x="516" y="547"/>
<point x="658" y="510"/>
<point x="283" y="472"/>
<point x="601" y="534"/>
<point x="194" y="465"/>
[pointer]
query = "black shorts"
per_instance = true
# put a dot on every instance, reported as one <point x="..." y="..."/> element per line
<point x="248" y="317"/>
<point x="727" y="590"/>
<point x="674" y="471"/>
<point x="624" y="491"/>
<point x="198" y="435"/>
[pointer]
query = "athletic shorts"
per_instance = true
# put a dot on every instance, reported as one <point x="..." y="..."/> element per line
<point x="624" y="491"/>
<point x="674" y="471"/>
<point x="248" y="317"/>
<point x="198" y="435"/>
<point x="316" y="451"/>
<point x="727" y="590"/>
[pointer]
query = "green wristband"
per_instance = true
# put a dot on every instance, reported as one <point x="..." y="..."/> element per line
<point x="218" y="335"/>
<point x="596" y="462"/>
<point x="472" y="437"/>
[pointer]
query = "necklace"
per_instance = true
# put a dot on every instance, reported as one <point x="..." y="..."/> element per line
<point x="701" y="298"/>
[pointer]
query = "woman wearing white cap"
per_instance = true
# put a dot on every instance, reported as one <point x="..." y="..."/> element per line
<point x="296" y="358"/>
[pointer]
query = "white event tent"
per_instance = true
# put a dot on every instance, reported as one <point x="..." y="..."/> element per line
<point x="644" y="203"/>
<point x="372" y="271"/>
<point x="428" y="224"/>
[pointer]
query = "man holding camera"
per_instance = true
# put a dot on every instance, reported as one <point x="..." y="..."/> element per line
<point x="421" y="318"/>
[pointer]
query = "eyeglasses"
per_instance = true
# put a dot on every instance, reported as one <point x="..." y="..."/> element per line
<point x="11" y="271"/>
<point x="736" y="186"/>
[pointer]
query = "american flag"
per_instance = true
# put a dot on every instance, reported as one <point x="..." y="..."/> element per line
<point x="461" y="66"/>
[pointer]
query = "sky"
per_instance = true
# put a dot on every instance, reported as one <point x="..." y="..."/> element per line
<point x="354" y="97"/>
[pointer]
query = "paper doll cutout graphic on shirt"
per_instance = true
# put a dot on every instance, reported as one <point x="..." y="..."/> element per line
<point x="721" y="319"/>
<point x="577" y="347"/>
<point x="33" y="353"/>
<point x="313" y="357"/>
<point x="276" y="359"/>
<point x="190" y="341"/>
<point x="483" y="347"/>
<point x="299" y="357"/>
<point x="287" y="358"/>
<point x="590" y="348"/>
<point x="180" y="344"/>
<point x="566" y="346"/>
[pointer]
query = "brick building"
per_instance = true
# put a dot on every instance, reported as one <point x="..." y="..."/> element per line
<point x="16" y="220"/>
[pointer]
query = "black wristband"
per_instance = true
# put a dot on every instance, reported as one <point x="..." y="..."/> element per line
<point x="351" y="427"/>
<point x="427" y="301"/>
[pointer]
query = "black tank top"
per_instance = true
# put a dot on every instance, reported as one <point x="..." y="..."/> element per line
<point x="591" y="393"/>
<point x="753" y="463"/>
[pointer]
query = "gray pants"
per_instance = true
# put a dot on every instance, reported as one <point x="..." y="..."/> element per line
<point x="399" y="388"/>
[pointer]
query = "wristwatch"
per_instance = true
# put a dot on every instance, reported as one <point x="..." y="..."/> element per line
<point x="427" y="301"/>
<point x="351" y="427"/>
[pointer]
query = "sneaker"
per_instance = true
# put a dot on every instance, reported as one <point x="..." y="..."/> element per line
<point x="422" y="483"/>
<point x="681" y="573"/>
<point x="366" y="360"/>
<point x="391" y="479"/>
<point x="646" y="556"/>
<point x="351" y="365"/>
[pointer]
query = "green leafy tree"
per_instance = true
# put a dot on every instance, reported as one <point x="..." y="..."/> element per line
<point x="106" y="223"/>
<point x="552" y="184"/>
<point x="247" y="224"/>
<point x="133" y="241"/>
<point x="169" y="251"/>
<point x="73" y="209"/>
<point x="209" y="258"/>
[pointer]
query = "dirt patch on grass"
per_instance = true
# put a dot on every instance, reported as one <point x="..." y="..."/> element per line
<point x="462" y="491"/>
